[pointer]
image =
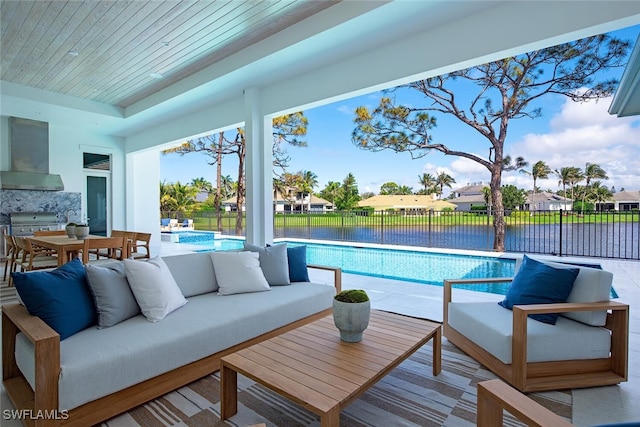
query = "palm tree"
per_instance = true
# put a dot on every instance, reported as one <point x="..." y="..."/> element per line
<point x="592" y="171"/>
<point x="167" y="202"/>
<point x="184" y="196"/>
<point x="308" y="180"/>
<point x="330" y="192"/>
<point x="599" y="193"/>
<point x="539" y="170"/>
<point x="201" y="184"/>
<point x="568" y="175"/>
<point x="428" y="182"/>
<point x="444" y="180"/>
<point x="404" y="189"/>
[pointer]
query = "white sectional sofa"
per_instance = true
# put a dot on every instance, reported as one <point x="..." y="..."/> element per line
<point x="587" y="346"/>
<point x="98" y="373"/>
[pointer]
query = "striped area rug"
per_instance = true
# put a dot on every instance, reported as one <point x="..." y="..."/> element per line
<point x="408" y="396"/>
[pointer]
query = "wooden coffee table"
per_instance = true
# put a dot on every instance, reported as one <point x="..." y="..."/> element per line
<point x="311" y="365"/>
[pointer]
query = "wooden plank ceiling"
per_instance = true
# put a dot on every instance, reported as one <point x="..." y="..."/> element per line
<point x="119" y="52"/>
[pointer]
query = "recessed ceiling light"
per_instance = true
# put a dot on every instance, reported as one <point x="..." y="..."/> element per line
<point x="156" y="75"/>
<point x="73" y="53"/>
<point x="165" y="44"/>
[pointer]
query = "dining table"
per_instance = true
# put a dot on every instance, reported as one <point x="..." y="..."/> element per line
<point x="66" y="247"/>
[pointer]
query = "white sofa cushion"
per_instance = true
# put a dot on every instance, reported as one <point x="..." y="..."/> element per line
<point x="591" y="285"/>
<point x="238" y="272"/>
<point x="193" y="273"/>
<point x="490" y="326"/>
<point x="155" y="289"/>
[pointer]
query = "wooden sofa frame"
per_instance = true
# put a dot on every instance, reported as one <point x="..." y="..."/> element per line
<point x="538" y="376"/>
<point x="40" y="408"/>
<point x="494" y="396"/>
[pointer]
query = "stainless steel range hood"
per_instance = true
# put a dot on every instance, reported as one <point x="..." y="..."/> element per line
<point x="30" y="181"/>
<point x="29" y="145"/>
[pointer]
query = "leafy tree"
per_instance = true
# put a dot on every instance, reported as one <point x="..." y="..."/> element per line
<point x="348" y="197"/>
<point x="330" y="192"/>
<point x="539" y="170"/>
<point x="443" y="180"/>
<point x="367" y="195"/>
<point x="389" y="188"/>
<point x="506" y="90"/>
<point x="512" y="196"/>
<point x="308" y="180"/>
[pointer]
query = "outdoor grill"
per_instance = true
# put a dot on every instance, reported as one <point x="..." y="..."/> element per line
<point x="25" y="223"/>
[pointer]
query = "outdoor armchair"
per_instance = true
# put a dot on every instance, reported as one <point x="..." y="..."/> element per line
<point x="534" y="356"/>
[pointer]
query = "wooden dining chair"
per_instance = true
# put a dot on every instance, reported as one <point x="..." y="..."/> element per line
<point x="33" y="258"/>
<point x="141" y="241"/>
<point x="10" y="261"/>
<point x="105" y="253"/>
<point x="117" y="248"/>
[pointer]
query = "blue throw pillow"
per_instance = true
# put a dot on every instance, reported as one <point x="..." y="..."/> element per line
<point x="60" y="297"/>
<point x="297" y="257"/>
<point x="538" y="283"/>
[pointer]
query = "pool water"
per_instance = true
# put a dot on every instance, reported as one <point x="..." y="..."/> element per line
<point x="414" y="266"/>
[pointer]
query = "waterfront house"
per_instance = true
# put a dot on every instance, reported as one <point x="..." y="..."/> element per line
<point x="409" y="204"/>
<point x="545" y="201"/>
<point x="467" y="202"/>
<point x="626" y="200"/>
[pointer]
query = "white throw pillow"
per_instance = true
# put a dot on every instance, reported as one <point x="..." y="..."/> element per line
<point x="238" y="272"/>
<point x="155" y="289"/>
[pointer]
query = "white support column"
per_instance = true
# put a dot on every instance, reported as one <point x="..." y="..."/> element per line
<point x="259" y="170"/>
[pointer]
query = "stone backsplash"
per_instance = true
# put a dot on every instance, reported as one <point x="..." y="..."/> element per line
<point x="58" y="202"/>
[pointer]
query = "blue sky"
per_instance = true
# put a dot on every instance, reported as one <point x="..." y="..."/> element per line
<point x="567" y="134"/>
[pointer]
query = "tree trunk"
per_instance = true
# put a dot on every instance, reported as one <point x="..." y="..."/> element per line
<point x="498" y="208"/>
<point x="240" y="191"/>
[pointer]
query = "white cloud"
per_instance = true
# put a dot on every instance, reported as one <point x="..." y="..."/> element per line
<point x="345" y="109"/>
<point x="585" y="133"/>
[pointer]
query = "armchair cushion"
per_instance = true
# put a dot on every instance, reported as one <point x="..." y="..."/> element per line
<point x="539" y="283"/>
<point x="591" y="285"/>
<point x="491" y="327"/>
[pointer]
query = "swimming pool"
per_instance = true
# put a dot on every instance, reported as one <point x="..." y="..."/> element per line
<point x="400" y="264"/>
<point x="414" y="266"/>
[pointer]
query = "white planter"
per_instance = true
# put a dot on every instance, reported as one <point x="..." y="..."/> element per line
<point x="82" y="231"/>
<point x="351" y="319"/>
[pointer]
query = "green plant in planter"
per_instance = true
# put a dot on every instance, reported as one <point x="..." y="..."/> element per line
<point x="351" y="310"/>
<point x="352" y="296"/>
